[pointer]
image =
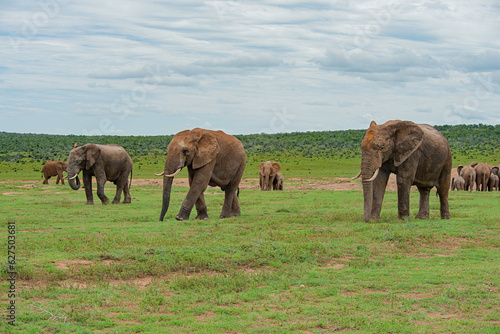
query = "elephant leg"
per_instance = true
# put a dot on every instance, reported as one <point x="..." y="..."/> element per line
<point x="423" y="210"/>
<point x="101" y="181"/>
<point x="231" y="202"/>
<point x="235" y="209"/>
<point x="46" y="181"/>
<point x="227" y="208"/>
<point x="271" y="181"/>
<point x="126" y="192"/>
<point x="198" y="183"/>
<point x="201" y="208"/>
<point x="379" y="185"/>
<point x="403" y="197"/>
<point x="60" y="176"/>
<point x="118" y="194"/>
<point x="87" y="183"/>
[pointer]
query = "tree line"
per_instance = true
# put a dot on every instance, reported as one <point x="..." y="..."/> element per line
<point x="466" y="141"/>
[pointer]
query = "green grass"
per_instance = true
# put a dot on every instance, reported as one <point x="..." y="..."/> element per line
<point x="297" y="261"/>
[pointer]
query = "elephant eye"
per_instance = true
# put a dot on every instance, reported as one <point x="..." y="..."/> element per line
<point x="185" y="152"/>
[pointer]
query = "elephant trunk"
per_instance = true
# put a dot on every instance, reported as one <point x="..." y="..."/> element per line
<point x="167" y="188"/>
<point x="368" y="199"/>
<point x="171" y="169"/>
<point x="370" y="166"/>
<point x="74" y="182"/>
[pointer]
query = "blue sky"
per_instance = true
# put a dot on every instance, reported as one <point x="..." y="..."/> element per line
<point x="147" y="68"/>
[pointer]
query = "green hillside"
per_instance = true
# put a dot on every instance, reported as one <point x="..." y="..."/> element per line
<point x="466" y="141"/>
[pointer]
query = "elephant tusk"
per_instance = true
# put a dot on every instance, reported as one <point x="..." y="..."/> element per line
<point x="174" y="174"/>
<point x="160" y="173"/>
<point x="374" y="176"/>
<point x="72" y="178"/>
<point x="357" y="176"/>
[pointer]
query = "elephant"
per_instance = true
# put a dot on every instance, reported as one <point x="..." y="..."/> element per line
<point x="106" y="163"/>
<point x="54" y="168"/>
<point x="494" y="181"/>
<point x="278" y="182"/>
<point x="468" y="173"/>
<point x="267" y="174"/>
<point x="457" y="183"/>
<point x="417" y="153"/>
<point x="483" y="172"/>
<point x="212" y="158"/>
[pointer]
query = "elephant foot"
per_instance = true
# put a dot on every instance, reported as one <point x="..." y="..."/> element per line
<point x="115" y="201"/>
<point x="203" y="216"/>
<point x="126" y="201"/>
<point x="446" y="216"/>
<point x="89" y="203"/>
<point x="422" y="216"/>
<point x="234" y="214"/>
<point x="105" y="201"/>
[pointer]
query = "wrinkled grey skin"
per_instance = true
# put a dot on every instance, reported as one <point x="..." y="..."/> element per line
<point x="278" y="182"/>
<point x="483" y="172"/>
<point x="106" y="163"/>
<point x="212" y="158"/>
<point x="267" y="174"/>
<point x="54" y="168"/>
<point x="457" y="183"/>
<point x="494" y="181"/>
<point x="468" y="173"/>
<point x="417" y="153"/>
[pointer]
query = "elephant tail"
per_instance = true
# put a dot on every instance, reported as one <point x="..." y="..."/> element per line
<point x="130" y="182"/>
<point x="238" y="192"/>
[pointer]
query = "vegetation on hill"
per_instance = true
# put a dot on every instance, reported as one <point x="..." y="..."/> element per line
<point x="469" y="141"/>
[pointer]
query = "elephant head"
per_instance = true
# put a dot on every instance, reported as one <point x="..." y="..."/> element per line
<point x="195" y="148"/>
<point x="395" y="140"/>
<point x="267" y="173"/>
<point x="81" y="158"/>
<point x="495" y="170"/>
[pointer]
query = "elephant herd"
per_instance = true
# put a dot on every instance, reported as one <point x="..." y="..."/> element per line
<point x="417" y="153"/>
<point x="483" y="175"/>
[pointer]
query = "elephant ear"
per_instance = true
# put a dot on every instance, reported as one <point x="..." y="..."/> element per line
<point x="276" y="167"/>
<point x="459" y="169"/>
<point x="408" y="138"/>
<point x="208" y="148"/>
<point x="495" y="170"/>
<point x="261" y="168"/>
<point x="92" y="154"/>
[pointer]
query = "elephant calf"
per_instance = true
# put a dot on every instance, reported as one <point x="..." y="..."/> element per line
<point x="457" y="183"/>
<point x="494" y="180"/>
<point x="54" y="168"/>
<point x="278" y="182"/>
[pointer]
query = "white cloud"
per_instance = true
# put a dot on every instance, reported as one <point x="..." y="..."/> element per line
<point x="159" y="63"/>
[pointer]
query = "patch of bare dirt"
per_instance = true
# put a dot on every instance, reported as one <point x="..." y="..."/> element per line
<point x="336" y="184"/>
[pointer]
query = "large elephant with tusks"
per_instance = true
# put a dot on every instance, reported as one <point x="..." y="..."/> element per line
<point x="417" y="153"/>
<point x="212" y="158"/>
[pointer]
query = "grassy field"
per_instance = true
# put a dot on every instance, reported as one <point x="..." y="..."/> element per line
<point x="296" y="261"/>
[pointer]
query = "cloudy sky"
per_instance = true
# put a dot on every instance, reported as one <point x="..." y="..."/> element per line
<point x="159" y="67"/>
